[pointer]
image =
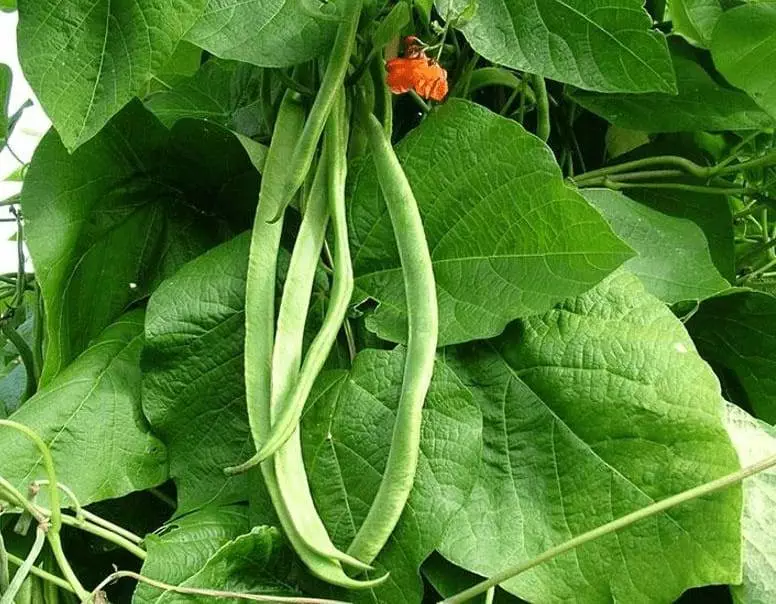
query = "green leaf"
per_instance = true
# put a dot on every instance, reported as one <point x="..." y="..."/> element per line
<point x="702" y="103"/>
<point x="754" y="441"/>
<point x="673" y="262"/>
<point x="193" y="393"/>
<point x="737" y="331"/>
<point x="695" y="20"/>
<point x="90" y="417"/>
<point x="604" y="45"/>
<point x="7" y="6"/>
<point x="507" y="237"/>
<point x="591" y="411"/>
<point x="346" y="434"/>
<point x="6" y="79"/>
<point x="390" y="27"/>
<point x="743" y="46"/>
<point x="85" y="61"/>
<point x="273" y="33"/>
<point x="185" y="545"/>
<point x="223" y="92"/>
<point x="106" y="223"/>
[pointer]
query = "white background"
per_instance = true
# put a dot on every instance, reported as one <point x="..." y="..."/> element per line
<point x="28" y="132"/>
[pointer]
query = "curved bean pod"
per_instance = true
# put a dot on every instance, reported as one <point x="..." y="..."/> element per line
<point x="422" y="315"/>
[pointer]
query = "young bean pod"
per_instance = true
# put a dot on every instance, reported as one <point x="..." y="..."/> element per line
<point x="422" y="316"/>
<point x="333" y="77"/>
<point x="342" y="288"/>
<point x="259" y="344"/>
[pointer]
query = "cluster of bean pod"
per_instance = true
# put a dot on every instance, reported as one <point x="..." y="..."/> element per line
<point x="278" y="380"/>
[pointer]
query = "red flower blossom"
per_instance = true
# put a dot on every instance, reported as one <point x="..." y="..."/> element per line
<point x="416" y="71"/>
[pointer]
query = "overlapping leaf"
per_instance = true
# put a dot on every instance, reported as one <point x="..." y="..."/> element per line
<point x="106" y="223"/>
<point x="86" y="60"/>
<point x="597" y="408"/>
<point x="90" y="418"/>
<point x="673" y="261"/>
<point x="507" y="237"/>
<point x="736" y="331"/>
<point x="346" y="434"/>
<point x="605" y="45"/>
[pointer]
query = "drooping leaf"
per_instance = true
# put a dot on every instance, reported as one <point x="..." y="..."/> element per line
<point x="86" y="60"/>
<point x="185" y="545"/>
<point x="272" y="33"/>
<point x="673" y="261"/>
<point x="90" y="418"/>
<point x="507" y="237"/>
<point x="106" y="223"/>
<point x="695" y="20"/>
<point x="593" y="410"/>
<point x="346" y="434"/>
<point x="224" y="92"/>
<point x="702" y="103"/>
<point x="193" y="393"/>
<point x="744" y="46"/>
<point x="737" y="331"/>
<point x="604" y="45"/>
<point x="754" y="441"/>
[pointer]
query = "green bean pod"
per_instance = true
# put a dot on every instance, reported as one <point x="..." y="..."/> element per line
<point x="342" y="288"/>
<point x="259" y="341"/>
<point x="333" y="77"/>
<point x="422" y="316"/>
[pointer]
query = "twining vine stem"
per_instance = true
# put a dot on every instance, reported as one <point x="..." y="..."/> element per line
<point x="614" y="526"/>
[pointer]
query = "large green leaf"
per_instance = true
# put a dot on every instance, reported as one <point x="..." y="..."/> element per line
<point x="591" y="411"/>
<point x="673" y="262"/>
<point x="744" y="48"/>
<point x="185" y="545"/>
<point x="268" y="33"/>
<point x="605" y="45"/>
<point x="346" y="434"/>
<point x="695" y="19"/>
<point x="224" y="92"/>
<point x="703" y="102"/>
<point x="736" y="331"/>
<point x="86" y="60"/>
<point x="90" y="418"/>
<point x="106" y="223"/>
<point x="754" y="441"/>
<point x="193" y="393"/>
<point x="507" y="237"/>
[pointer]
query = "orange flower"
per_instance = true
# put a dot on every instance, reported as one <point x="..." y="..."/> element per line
<point x="416" y="71"/>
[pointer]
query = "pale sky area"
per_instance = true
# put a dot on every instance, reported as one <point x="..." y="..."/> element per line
<point x="28" y="132"/>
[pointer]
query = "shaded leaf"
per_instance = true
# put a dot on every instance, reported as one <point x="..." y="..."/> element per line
<point x="90" y="418"/>
<point x="106" y="223"/>
<point x="737" y="331"/>
<point x="695" y="19"/>
<point x="507" y="237"/>
<point x="85" y="61"/>
<point x="673" y="260"/>
<point x="604" y="45"/>
<point x="346" y="434"/>
<point x="591" y="411"/>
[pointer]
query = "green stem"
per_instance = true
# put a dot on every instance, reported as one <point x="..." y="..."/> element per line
<point x="628" y="176"/>
<point x="5" y="577"/>
<point x="768" y="159"/>
<point x="542" y="107"/>
<point x="39" y="318"/>
<point x="676" y="186"/>
<point x="293" y="84"/>
<point x="763" y="247"/>
<point x="106" y="534"/>
<point x="419" y="101"/>
<point x="164" y="498"/>
<point x="195" y="591"/>
<point x="46" y="576"/>
<point x="659" y="160"/>
<point x="614" y="526"/>
<point x="25" y="568"/>
<point x="734" y="151"/>
<point x="28" y="360"/>
<point x="11" y="201"/>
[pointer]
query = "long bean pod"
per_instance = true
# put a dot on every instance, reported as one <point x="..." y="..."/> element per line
<point x="333" y="77"/>
<point x="259" y="344"/>
<point x="422" y="314"/>
<point x="342" y="288"/>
